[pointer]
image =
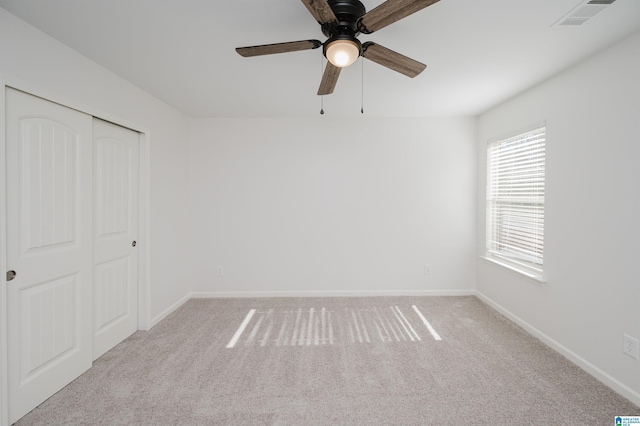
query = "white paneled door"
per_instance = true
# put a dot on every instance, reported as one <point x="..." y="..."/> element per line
<point x="72" y="226"/>
<point x="49" y="246"/>
<point x="115" y="293"/>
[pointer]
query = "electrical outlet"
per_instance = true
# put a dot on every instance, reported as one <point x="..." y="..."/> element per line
<point x="427" y="269"/>
<point x="219" y="271"/>
<point x="630" y="346"/>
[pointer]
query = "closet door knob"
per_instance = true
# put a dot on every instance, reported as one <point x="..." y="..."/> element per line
<point x="133" y="243"/>
<point x="11" y="275"/>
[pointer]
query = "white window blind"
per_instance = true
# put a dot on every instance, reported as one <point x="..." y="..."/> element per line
<point x="515" y="198"/>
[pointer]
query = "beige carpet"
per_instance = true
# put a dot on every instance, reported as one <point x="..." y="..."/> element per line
<point x="333" y="361"/>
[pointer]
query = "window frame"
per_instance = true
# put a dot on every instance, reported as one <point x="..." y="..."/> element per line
<point x="517" y="263"/>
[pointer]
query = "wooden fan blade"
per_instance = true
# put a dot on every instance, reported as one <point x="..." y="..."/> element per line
<point x="321" y="11"/>
<point x="389" y="12"/>
<point x="268" y="49"/>
<point x="329" y="79"/>
<point x="392" y="60"/>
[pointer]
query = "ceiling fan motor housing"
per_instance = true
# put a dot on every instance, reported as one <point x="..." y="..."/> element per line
<point x="348" y="13"/>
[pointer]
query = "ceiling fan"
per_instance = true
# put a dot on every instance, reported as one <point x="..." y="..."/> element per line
<point x="342" y="21"/>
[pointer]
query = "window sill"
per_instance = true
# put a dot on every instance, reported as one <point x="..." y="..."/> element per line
<point x="535" y="278"/>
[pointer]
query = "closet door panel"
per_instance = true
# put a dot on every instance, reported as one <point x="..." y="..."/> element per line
<point x="49" y="246"/>
<point x="116" y="231"/>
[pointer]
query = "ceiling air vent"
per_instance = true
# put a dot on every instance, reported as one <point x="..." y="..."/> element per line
<point x="584" y="11"/>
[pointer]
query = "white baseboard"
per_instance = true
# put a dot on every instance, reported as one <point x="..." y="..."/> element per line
<point x="600" y="375"/>
<point x="346" y="293"/>
<point x="261" y="294"/>
<point x="169" y="310"/>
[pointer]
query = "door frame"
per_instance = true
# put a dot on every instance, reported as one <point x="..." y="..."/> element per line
<point x="144" y="273"/>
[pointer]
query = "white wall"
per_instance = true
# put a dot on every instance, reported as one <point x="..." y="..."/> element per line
<point x="35" y="62"/>
<point x="332" y="206"/>
<point x="592" y="214"/>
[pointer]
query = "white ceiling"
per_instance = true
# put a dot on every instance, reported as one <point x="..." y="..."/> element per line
<point x="478" y="52"/>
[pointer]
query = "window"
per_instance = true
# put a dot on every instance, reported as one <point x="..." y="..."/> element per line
<point x="515" y="201"/>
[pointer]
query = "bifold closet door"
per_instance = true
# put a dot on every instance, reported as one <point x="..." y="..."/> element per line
<point x="49" y="248"/>
<point x="115" y="295"/>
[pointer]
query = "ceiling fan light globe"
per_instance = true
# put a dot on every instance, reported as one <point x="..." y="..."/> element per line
<point x="342" y="53"/>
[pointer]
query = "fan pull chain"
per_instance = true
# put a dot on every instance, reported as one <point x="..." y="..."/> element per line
<point x="362" y="88"/>
<point x="321" y="96"/>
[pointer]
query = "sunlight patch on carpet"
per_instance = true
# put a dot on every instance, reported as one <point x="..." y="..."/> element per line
<point x="336" y="326"/>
